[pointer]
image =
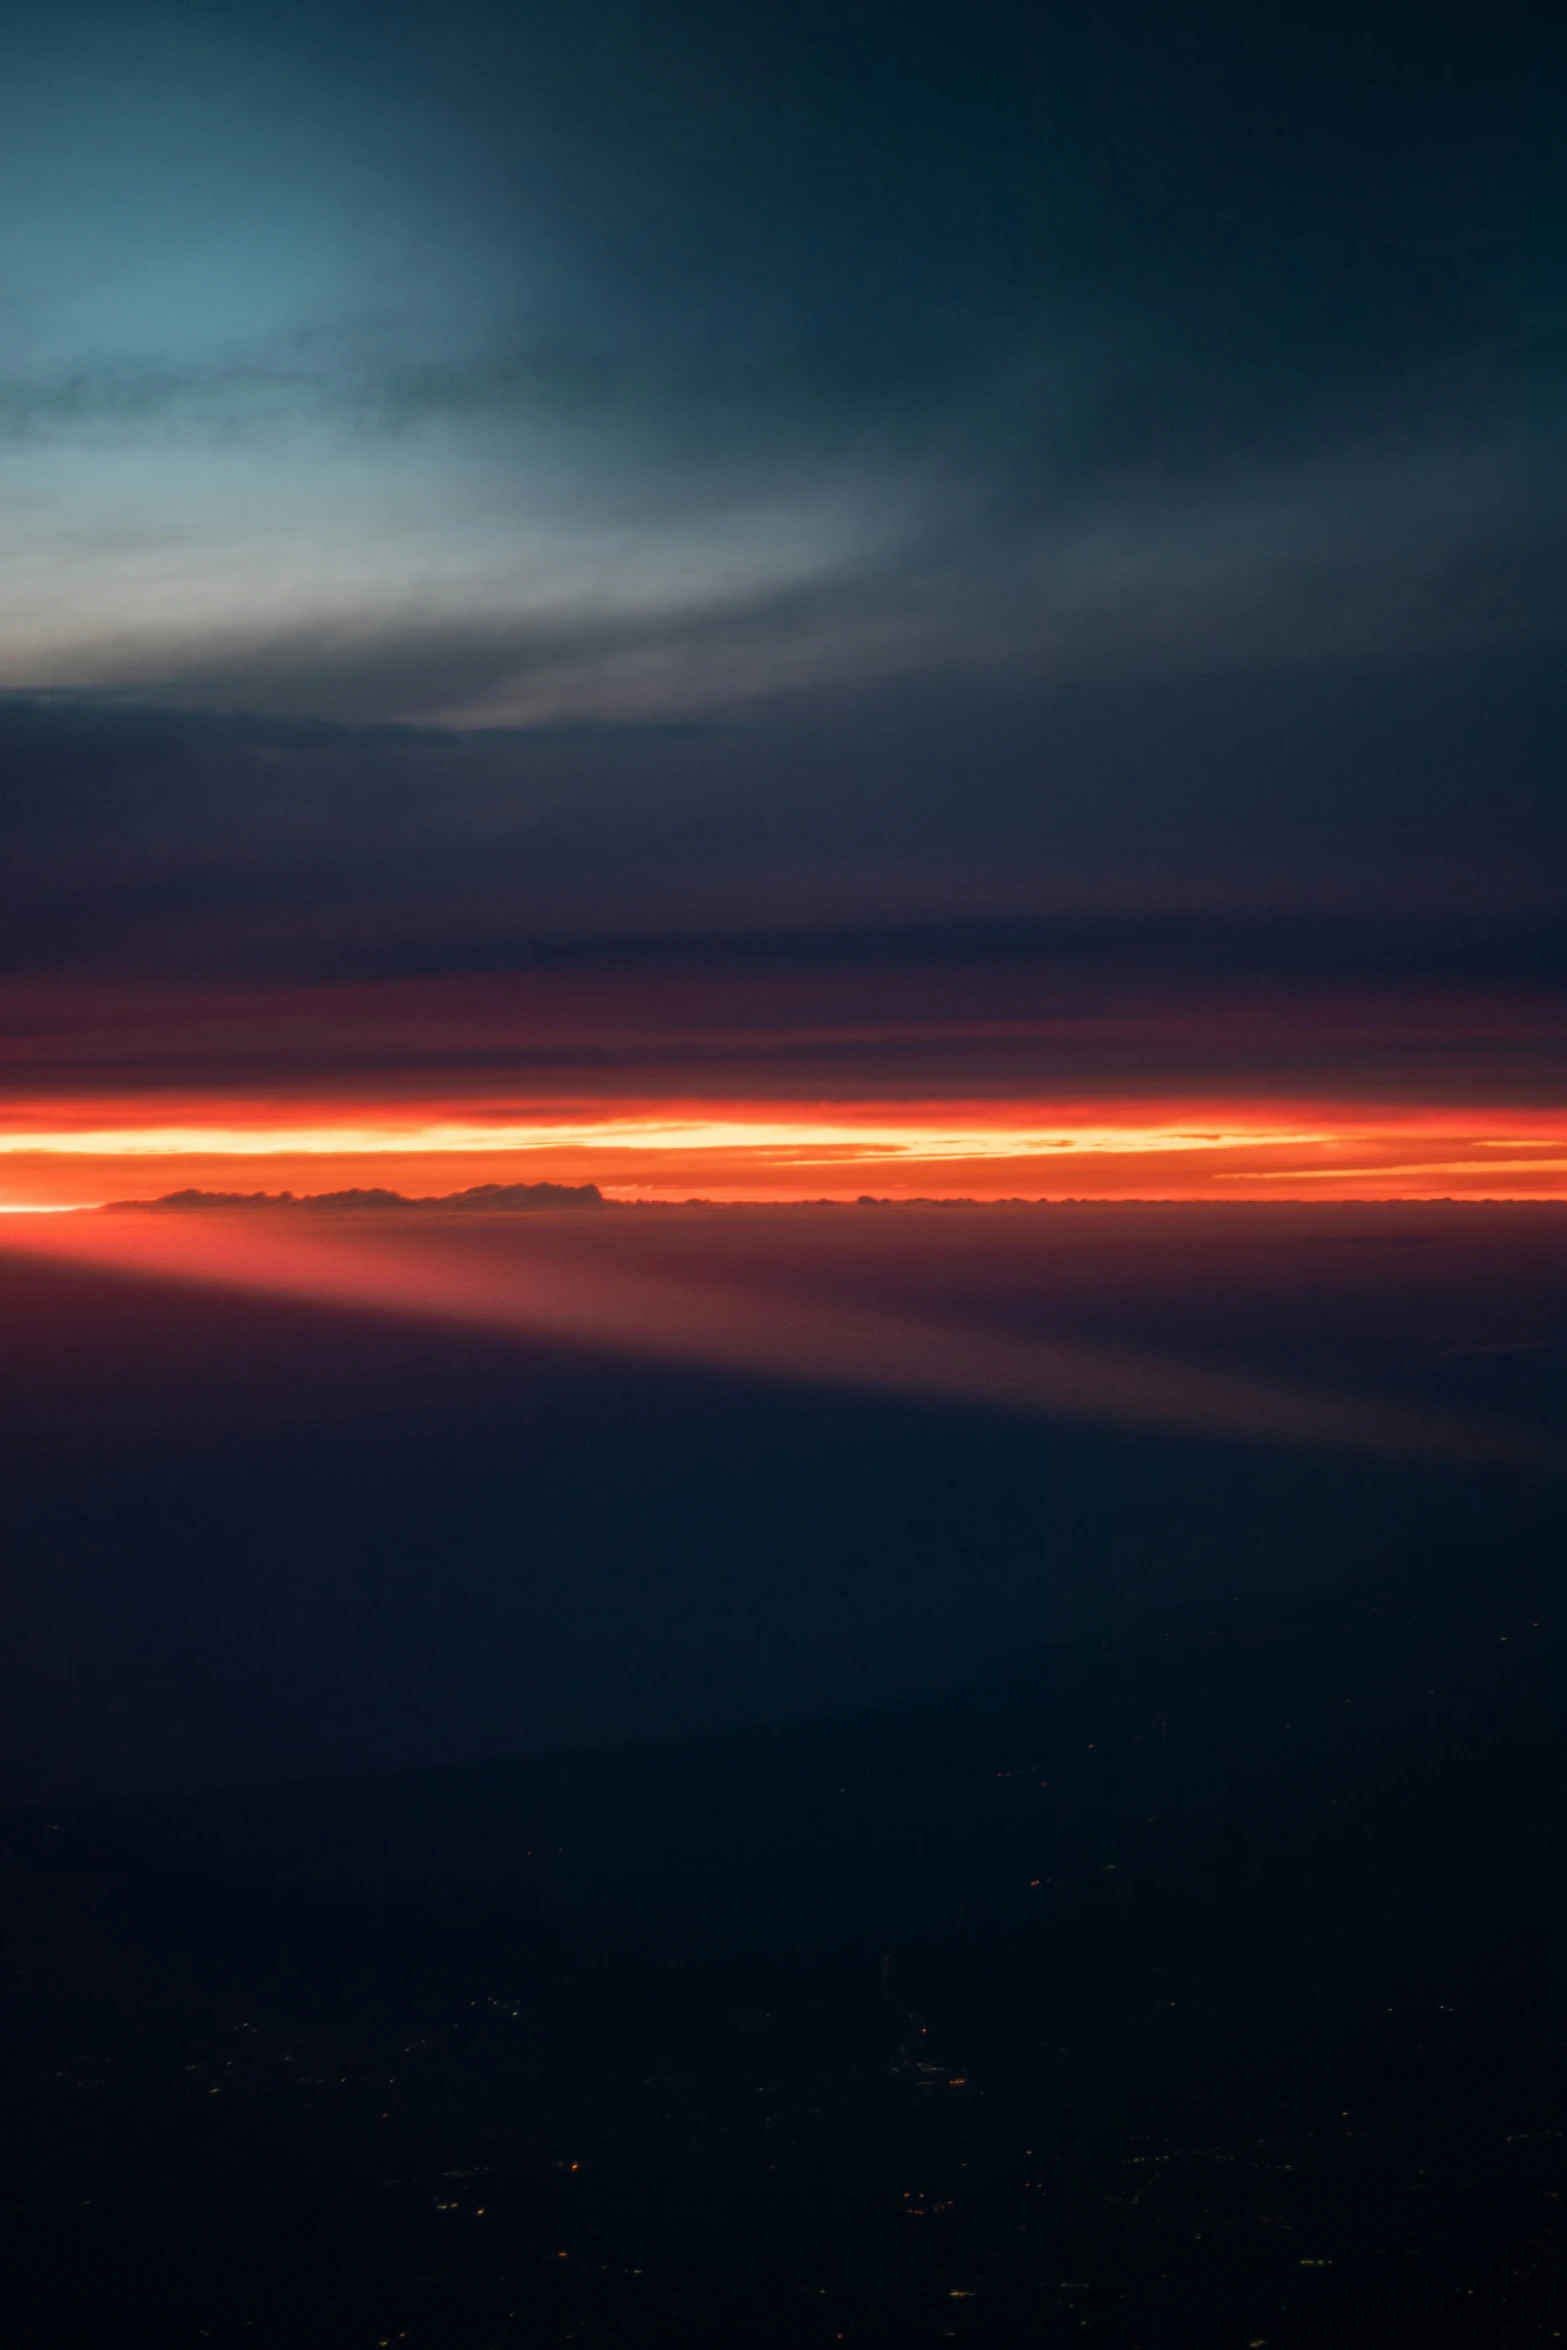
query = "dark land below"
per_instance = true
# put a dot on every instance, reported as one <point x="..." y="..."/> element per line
<point x="1192" y="1985"/>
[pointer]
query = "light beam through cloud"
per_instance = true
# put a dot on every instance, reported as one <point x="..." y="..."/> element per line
<point x="530" y="1289"/>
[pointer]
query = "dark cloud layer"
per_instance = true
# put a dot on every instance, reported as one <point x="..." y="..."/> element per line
<point x="200" y="841"/>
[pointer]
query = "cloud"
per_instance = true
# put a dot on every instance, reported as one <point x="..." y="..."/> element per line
<point x="794" y="1338"/>
<point x="206" y="841"/>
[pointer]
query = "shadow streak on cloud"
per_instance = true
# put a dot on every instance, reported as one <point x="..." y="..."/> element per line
<point x="543" y="1295"/>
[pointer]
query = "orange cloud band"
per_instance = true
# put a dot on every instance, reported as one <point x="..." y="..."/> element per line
<point x="1169" y="1150"/>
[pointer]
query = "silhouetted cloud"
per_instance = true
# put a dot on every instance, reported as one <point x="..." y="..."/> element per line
<point x="478" y="1199"/>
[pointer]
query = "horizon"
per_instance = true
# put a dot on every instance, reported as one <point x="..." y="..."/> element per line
<point x="1157" y="1150"/>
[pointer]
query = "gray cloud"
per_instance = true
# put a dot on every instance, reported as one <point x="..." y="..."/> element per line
<point x="1360" y="556"/>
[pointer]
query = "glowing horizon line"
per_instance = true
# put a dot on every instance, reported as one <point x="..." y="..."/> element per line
<point x="804" y="1142"/>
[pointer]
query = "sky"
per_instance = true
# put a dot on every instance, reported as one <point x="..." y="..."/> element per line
<point x="783" y="602"/>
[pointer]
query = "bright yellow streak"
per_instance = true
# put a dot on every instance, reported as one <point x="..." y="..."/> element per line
<point x="797" y="1142"/>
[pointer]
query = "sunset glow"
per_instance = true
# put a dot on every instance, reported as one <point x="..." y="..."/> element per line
<point x="806" y="1142"/>
<point x="1167" y="1150"/>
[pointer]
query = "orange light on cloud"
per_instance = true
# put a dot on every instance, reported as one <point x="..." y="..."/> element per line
<point x="1108" y="1150"/>
<point x="803" y="1141"/>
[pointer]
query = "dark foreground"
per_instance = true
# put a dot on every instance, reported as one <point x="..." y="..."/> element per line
<point x="1197" y="1988"/>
